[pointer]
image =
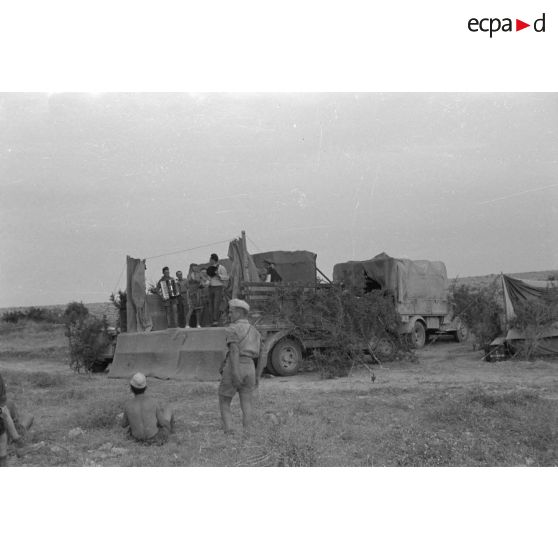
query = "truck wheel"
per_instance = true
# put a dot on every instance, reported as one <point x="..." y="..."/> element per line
<point x="286" y="357"/>
<point x="461" y="333"/>
<point x="385" y="349"/>
<point x="418" y="335"/>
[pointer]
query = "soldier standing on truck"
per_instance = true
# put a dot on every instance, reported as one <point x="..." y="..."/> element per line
<point x="238" y="373"/>
<point x="218" y="278"/>
<point x="183" y="310"/>
<point x="168" y="291"/>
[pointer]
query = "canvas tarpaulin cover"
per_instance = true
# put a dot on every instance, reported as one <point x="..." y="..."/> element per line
<point x="241" y="267"/>
<point x="293" y="267"/>
<point x="405" y="279"/>
<point x="137" y="312"/>
<point x="520" y="291"/>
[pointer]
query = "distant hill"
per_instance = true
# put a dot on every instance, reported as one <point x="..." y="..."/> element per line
<point x="100" y="309"/>
<point x="483" y="280"/>
<point x="97" y="309"/>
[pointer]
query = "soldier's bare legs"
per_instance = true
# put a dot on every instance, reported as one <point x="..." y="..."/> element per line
<point x="226" y="415"/>
<point x="10" y="426"/>
<point x="247" y="406"/>
<point x="168" y="415"/>
<point x="4" y="449"/>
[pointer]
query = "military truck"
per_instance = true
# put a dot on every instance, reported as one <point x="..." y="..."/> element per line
<point x="418" y="288"/>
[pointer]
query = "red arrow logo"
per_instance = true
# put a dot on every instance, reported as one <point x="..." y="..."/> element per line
<point x="519" y="25"/>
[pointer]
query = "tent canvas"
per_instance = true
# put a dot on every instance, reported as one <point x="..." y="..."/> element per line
<point x="517" y="291"/>
<point x="521" y="290"/>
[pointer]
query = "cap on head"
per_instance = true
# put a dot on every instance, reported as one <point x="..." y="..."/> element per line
<point x="138" y="381"/>
<point x="237" y="303"/>
<point x="214" y="257"/>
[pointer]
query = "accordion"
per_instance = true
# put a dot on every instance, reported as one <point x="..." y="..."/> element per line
<point x="168" y="289"/>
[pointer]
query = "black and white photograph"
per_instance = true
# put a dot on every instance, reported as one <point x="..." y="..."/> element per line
<point x="313" y="279"/>
<point x="278" y="279"/>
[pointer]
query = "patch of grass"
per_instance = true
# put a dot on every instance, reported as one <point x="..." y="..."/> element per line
<point x="203" y="389"/>
<point x="71" y="394"/>
<point x="101" y="415"/>
<point x="510" y="424"/>
<point x="46" y="380"/>
<point x="490" y="400"/>
<point x="296" y="441"/>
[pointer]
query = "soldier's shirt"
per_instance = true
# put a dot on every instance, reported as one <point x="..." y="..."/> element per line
<point x="246" y="336"/>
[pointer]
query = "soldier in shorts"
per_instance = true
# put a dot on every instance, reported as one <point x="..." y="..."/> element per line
<point x="147" y="420"/>
<point x="239" y="372"/>
<point x="11" y="428"/>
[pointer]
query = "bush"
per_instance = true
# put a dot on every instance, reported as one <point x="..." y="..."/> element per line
<point x="479" y="309"/>
<point x="88" y="339"/>
<point x="33" y="313"/>
<point x="13" y="317"/>
<point x="75" y="312"/>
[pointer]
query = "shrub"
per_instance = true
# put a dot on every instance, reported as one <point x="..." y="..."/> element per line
<point x="33" y="313"/>
<point x="42" y="315"/>
<point x="88" y="339"/>
<point x="75" y="312"/>
<point x="13" y="316"/>
<point x="479" y="308"/>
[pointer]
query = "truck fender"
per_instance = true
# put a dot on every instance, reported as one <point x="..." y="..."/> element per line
<point x="407" y="327"/>
<point x="272" y="339"/>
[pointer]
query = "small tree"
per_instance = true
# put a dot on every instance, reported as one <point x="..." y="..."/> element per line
<point x="479" y="309"/>
<point x="87" y="336"/>
<point x="75" y="312"/>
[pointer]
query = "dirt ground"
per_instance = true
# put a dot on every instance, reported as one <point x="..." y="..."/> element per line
<point x="449" y="408"/>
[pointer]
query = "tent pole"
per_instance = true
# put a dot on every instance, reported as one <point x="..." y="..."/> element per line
<point x="323" y="275"/>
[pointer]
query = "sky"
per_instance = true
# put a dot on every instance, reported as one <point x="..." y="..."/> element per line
<point x="86" y="179"/>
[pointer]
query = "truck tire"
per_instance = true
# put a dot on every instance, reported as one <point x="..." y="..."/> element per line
<point x="418" y="335"/>
<point x="383" y="349"/>
<point x="286" y="357"/>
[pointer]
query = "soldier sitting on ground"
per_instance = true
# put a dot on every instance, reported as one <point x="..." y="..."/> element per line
<point x="148" y="421"/>
<point x="12" y="426"/>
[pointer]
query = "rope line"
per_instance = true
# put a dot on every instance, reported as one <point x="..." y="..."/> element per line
<point x="255" y="245"/>
<point x="188" y="249"/>
<point x="120" y="277"/>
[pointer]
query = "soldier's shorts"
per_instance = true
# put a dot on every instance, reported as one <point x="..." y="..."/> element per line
<point x="247" y="373"/>
<point x="162" y="437"/>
